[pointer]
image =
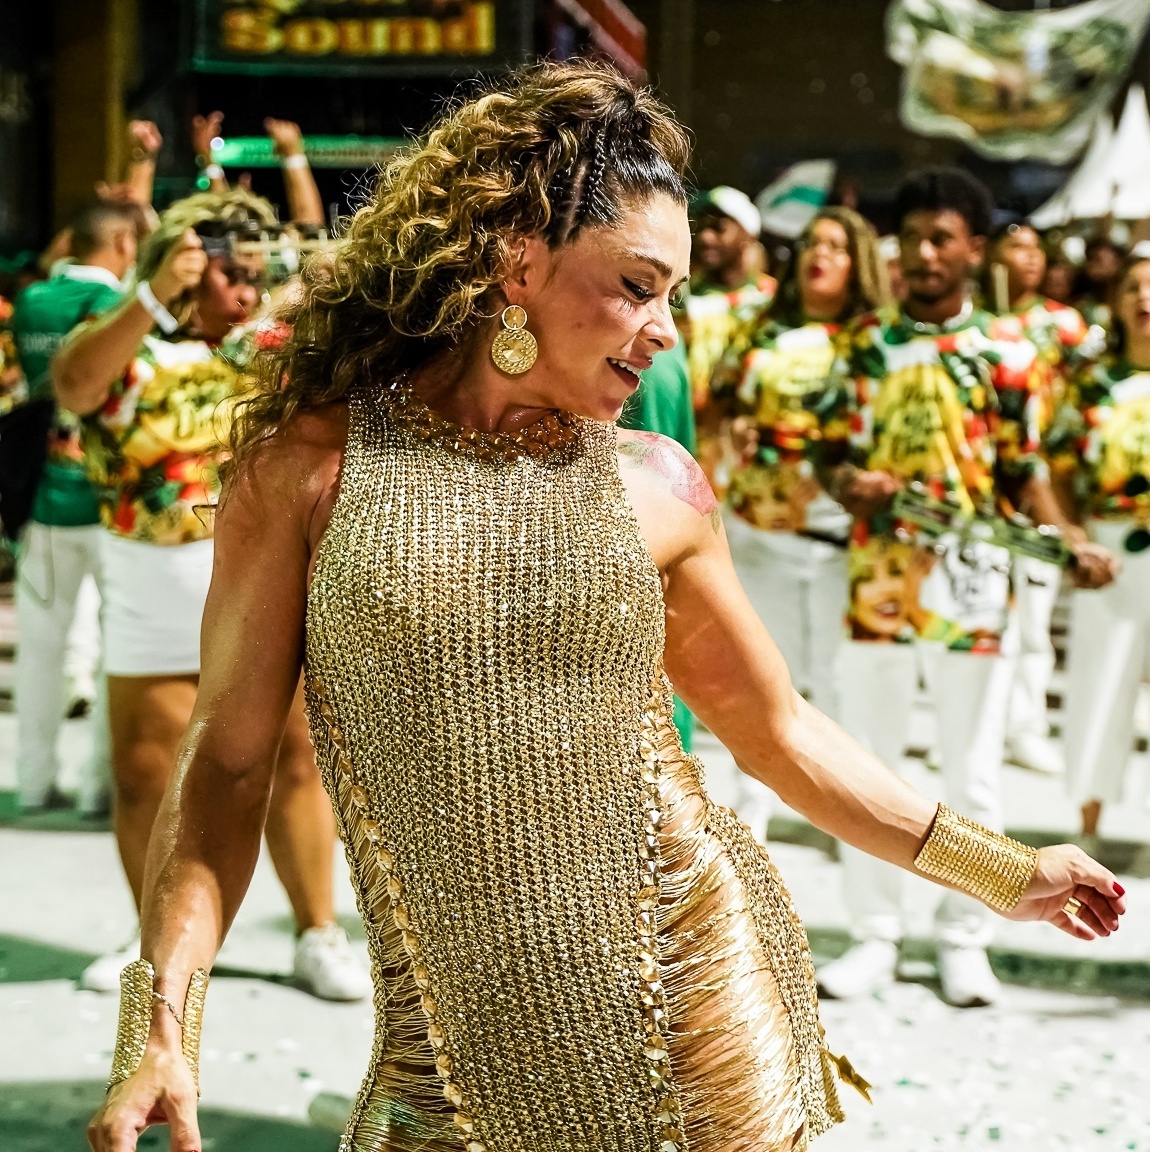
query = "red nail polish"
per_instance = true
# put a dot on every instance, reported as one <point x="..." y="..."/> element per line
<point x="1119" y="889"/>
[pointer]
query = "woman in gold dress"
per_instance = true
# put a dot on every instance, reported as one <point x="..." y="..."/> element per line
<point x="488" y="586"/>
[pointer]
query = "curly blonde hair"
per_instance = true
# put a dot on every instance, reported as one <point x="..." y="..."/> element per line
<point x="217" y="212"/>
<point x="545" y="151"/>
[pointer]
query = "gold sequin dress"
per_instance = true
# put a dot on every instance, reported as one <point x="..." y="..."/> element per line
<point x="573" y="949"/>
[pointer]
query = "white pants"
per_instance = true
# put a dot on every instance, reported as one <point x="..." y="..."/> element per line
<point x="57" y="621"/>
<point x="154" y="605"/>
<point x="1109" y="657"/>
<point x="971" y="695"/>
<point x="83" y="653"/>
<point x="798" y="589"/>
<point x="1036" y="586"/>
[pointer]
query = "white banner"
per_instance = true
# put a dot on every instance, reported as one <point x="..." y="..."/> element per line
<point x="1012" y="85"/>
<point x="791" y="202"/>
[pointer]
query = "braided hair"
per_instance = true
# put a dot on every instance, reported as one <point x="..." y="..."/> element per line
<point x="546" y="151"/>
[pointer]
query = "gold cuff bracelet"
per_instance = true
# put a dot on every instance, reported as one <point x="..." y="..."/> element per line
<point x="137" y="998"/>
<point x="992" y="867"/>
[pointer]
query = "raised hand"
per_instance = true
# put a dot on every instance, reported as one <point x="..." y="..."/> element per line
<point x="286" y="136"/>
<point x="204" y="130"/>
<point x="145" y="139"/>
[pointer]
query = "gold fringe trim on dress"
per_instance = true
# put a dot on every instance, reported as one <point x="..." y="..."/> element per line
<point x="734" y="956"/>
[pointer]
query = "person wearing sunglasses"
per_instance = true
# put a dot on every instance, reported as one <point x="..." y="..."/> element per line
<point x="1100" y="449"/>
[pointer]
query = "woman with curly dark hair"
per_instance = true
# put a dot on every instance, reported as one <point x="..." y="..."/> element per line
<point x="433" y="513"/>
<point x="787" y="536"/>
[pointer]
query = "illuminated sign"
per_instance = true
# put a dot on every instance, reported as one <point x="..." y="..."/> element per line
<point x="330" y="37"/>
<point x="321" y="151"/>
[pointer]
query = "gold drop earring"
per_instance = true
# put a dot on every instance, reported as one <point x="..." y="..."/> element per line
<point x="514" y="350"/>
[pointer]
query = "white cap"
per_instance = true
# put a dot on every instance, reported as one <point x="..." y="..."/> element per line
<point x="738" y="205"/>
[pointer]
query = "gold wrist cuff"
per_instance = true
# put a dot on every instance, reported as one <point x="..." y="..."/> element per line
<point x="137" y="998"/>
<point x="992" y="867"/>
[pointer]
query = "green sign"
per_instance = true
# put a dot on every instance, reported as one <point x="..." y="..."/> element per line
<point x="321" y="151"/>
<point x="340" y="37"/>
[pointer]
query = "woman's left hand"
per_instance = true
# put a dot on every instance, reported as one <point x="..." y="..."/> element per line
<point x="1064" y="872"/>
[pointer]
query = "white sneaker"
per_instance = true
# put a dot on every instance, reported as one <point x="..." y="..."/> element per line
<point x="1038" y="753"/>
<point x="864" y="968"/>
<point x="103" y="974"/>
<point x="967" y="978"/>
<point x="326" y="966"/>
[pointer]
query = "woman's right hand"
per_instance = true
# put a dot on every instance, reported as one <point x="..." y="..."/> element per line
<point x="161" y="1091"/>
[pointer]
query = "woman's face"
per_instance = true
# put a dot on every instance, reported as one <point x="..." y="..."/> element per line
<point x="1058" y="283"/>
<point x="600" y="307"/>
<point x="1021" y="252"/>
<point x="229" y="291"/>
<point x="1132" y="302"/>
<point x="825" y="270"/>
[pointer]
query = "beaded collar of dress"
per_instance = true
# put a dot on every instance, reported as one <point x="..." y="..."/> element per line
<point x="553" y="435"/>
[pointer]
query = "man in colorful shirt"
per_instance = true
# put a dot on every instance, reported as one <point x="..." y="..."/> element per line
<point x="939" y="394"/>
<point x="724" y="300"/>
<point x="59" y="564"/>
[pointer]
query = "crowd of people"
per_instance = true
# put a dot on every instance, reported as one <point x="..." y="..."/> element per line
<point x="957" y="357"/>
<point x="905" y="449"/>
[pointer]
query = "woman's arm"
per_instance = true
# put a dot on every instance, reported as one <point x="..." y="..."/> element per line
<point x="206" y="840"/>
<point x="727" y="669"/>
<point x="96" y="355"/>
<point x="305" y="205"/>
<point x="204" y="130"/>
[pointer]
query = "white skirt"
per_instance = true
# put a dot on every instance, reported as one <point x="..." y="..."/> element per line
<point x="153" y="606"/>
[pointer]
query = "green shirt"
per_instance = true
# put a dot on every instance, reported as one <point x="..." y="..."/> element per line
<point x="44" y="314"/>
<point x="663" y="402"/>
<point x="663" y="405"/>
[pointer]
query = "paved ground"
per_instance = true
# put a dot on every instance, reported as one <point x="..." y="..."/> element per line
<point x="1063" y="1063"/>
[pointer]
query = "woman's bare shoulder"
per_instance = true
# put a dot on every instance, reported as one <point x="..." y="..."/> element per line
<point x="295" y="469"/>
<point x="670" y="495"/>
<point x="671" y="467"/>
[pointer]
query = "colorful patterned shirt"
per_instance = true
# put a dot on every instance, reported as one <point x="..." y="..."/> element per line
<point x="712" y="319"/>
<point x="12" y="384"/>
<point x="953" y="408"/>
<point x="1101" y="440"/>
<point x="778" y="383"/>
<point x="155" y="449"/>
<point x="715" y="322"/>
<point x="1064" y="341"/>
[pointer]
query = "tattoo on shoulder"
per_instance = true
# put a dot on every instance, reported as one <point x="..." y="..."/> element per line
<point x="674" y="464"/>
